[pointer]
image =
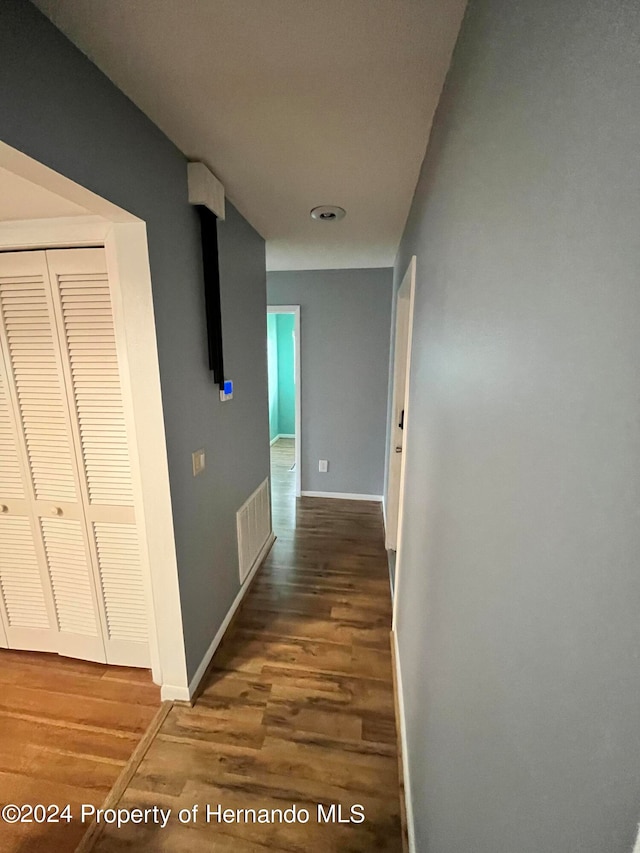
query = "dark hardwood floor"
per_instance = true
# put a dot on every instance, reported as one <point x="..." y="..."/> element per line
<point x="297" y="708"/>
<point x="67" y="730"/>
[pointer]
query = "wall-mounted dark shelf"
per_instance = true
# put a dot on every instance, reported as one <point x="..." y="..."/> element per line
<point x="211" y="268"/>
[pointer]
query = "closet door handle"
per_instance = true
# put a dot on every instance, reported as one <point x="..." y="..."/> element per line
<point x="55" y="510"/>
<point x="4" y="508"/>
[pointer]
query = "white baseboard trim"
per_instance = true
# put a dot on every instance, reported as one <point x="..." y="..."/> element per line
<point x="281" y="435"/>
<point x="347" y="496"/>
<point x="405" y="750"/>
<point x="171" y="693"/>
<point x="206" y="660"/>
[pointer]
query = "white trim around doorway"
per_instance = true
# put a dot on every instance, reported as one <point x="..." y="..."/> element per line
<point x="405" y="303"/>
<point x="124" y="239"/>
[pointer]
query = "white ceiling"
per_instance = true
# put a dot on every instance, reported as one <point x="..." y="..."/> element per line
<point x="20" y="199"/>
<point x="292" y="103"/>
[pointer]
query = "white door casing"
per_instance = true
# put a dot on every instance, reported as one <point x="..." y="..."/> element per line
<point x="124" y="238"/>
<point x="399" y="407"/>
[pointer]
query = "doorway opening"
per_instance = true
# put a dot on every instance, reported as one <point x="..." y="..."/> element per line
<point x="283" y="352"/>
<point x="44" y="212"/>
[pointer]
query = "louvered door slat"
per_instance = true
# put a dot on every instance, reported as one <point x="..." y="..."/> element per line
<point x="121" y="577"/>
<point x="90" y="338"/>
<point x="20" y="580"/>
<point x="10" y="476"/>
<point x="32" y="348"/>
<point x="67" y="561"/>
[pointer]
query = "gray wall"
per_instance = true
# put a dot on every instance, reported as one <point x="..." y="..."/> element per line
<point x="345" y="317"/>
<point x="57" y="107"/>
<point x="519" y="597"/>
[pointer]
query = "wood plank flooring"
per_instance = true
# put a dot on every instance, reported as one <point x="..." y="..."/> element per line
<point x="67" y="729"/>
<point x="297" y="708"/>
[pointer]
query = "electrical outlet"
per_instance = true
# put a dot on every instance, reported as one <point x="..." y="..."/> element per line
<point x="199" y="462"/>
<point x="323" y="466"/>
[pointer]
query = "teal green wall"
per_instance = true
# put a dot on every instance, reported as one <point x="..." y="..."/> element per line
<point x="282" y="389"/>
<point x="286" y="380"/>
<point x="272" y="355"/>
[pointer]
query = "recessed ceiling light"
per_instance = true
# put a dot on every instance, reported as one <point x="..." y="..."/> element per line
<point x="328" y="213"/>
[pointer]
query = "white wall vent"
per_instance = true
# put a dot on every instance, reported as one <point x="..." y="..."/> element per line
<point x="254" y="528"/>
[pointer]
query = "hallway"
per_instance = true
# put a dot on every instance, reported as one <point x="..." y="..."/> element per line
<point x="298" y="705"/>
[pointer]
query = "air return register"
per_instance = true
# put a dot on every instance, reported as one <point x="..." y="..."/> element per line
<point x="253" y="520"/>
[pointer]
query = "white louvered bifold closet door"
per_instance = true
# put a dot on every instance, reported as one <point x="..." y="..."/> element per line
<point x="85" y="318"/>
<point x="27" y="617"/>
<point x="59" y="342"/>
<point x="41" y="563"/>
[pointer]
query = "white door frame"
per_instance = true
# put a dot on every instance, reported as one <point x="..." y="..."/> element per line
<point x="405" y="301"/>
<point x="295" y="310"/>
<point x="124" y="238"/>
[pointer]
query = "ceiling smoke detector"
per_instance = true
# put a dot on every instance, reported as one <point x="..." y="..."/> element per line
<point x="328" y="213"/>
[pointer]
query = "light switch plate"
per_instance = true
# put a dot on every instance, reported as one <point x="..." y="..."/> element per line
<point x="199" y="462"/>
<point x="323" y="466"/>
